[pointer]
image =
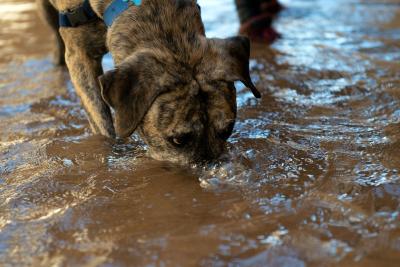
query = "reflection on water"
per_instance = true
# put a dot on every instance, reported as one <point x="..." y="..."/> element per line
<point x="311" y="177"/>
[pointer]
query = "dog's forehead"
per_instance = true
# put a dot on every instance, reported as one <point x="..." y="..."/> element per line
<point x="205" y="87"/>
<point x="191" y="93"/>
<point x="196" y="74"/>
<point x="193" y="88"/>
<point x="210" y="86"/>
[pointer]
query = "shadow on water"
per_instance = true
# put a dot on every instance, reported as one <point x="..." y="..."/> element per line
<point x="311" y="177"/>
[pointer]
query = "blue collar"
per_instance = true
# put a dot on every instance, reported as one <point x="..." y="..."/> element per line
<point x="85" y="14"/>
<point x="75" y="17"/>
<point x="116" y="8"/>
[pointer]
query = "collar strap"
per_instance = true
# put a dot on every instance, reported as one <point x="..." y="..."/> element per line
<point x="85" y="14"/>
<point x="77" y="16"/>
<point x="116" y="8"/>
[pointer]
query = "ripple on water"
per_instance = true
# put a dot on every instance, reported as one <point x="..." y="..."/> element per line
<point x="310" y="178"/>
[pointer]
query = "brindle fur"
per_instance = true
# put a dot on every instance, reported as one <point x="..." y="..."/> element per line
<point x="170" y="82"/>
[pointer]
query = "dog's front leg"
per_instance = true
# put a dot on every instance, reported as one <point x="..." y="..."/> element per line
<point x="85" y="46"/>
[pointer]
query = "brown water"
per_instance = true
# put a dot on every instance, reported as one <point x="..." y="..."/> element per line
<point x="311" y="179"/>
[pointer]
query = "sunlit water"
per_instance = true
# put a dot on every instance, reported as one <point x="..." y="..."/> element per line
<point x="311" y="177"/>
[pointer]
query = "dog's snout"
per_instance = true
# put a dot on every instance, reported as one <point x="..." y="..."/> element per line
<point x="210" y="148"/>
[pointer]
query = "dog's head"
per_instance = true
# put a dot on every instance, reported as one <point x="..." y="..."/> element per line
<point x="179" y="96"/>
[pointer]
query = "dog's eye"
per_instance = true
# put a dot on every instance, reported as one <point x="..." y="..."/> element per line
<point x="225" y="133"/>
<point x="180" y="140"/>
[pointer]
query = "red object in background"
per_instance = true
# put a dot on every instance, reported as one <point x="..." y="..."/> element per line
<point x="258" y="26"/>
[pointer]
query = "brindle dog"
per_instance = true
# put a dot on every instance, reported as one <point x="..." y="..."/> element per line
<point x="171" y="83"/>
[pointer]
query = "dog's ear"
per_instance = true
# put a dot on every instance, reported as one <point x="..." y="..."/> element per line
<point x="231" y="61"/>
<point x="130" y="90"/>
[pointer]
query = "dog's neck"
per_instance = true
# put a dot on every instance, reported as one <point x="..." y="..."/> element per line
<point x="167" y="26"/>
<point x="124" y="36"/>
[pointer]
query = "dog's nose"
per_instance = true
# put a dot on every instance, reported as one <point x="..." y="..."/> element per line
<point x="210" y="151"/>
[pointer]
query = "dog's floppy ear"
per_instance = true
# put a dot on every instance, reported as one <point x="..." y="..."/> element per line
<point x="232" y="61"/>
<point x="130" y="89"/>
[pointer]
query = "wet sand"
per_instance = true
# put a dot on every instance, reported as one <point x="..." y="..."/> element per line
<point x="312" y="176"/>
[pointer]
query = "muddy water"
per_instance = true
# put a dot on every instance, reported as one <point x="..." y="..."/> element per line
<point x="311" y="179"/>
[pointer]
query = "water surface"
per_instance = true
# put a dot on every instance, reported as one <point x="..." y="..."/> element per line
<point x="311" y="177"/>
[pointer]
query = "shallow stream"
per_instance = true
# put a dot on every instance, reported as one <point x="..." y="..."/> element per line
<point x="312" y="176"/>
